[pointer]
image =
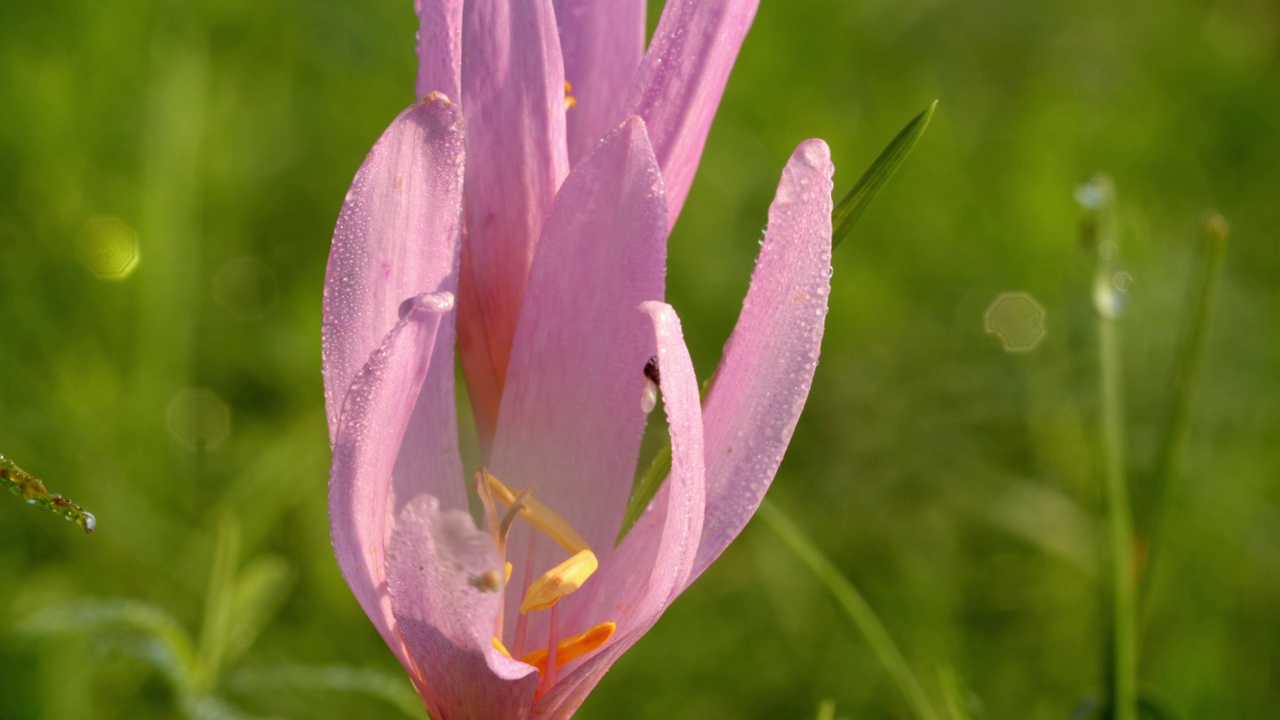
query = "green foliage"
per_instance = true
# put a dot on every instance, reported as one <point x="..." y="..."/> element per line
<point x="955" y="481"/>
<point x="851" y="206"/>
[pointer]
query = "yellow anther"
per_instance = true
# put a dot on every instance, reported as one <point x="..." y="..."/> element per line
<point x="559" y="581"/>
<point x="508" y="572"/>
<point x="572" y="648"/>
<point x="536" y="514"/>
<point x="497" y="645"/>
<point x="569" y="99"/>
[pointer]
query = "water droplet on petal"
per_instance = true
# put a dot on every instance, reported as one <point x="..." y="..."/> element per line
<point x="649" y="398"/>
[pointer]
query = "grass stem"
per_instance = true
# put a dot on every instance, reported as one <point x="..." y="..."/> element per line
<point x="856" y="607"/>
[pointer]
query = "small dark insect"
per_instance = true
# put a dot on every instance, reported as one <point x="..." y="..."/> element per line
<point x="651" y="370"/>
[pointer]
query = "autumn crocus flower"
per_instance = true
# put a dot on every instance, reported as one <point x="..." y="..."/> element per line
<point x="532" y="215"/>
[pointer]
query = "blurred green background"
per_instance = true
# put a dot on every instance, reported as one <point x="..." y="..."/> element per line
<point x="955" y="483"/>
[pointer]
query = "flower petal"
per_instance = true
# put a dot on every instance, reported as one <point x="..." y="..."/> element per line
<point x="654" y="562"/>
<point x="571" y="421"/>
<point x="396" y="237"/>
<point x="372" y="427"/>
<point x="439" y="47"/>
<point x="445" y="608"/>
<point x="602" y="42"/>
<point x="513" y="95"/>
<point x="764" y="376"/>
<point x="679" y="84"/>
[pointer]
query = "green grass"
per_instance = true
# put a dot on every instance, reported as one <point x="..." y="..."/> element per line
<point x="958" y="487"/>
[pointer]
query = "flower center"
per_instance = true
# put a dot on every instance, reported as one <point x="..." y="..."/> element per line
<point x="544" y="592"/>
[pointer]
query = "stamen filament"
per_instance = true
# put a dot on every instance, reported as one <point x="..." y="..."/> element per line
<point x="553" y="634"/>
<point x="522" y="620"/>
<point x="537" y="515"/>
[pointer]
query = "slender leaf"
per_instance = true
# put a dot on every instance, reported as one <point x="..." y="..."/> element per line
<point x="961" y="702"/>
<point x="1098" y="197"/>
<point x="219" y="602"/>
<point x="1202" y="299"/>
<point x="850" y="208"/>
<point x="168" y="646"/>
<point x="856" y="607"/>
<point x="644" y="491"/>
<point x="260" y="591"/>
<point x="393" y="689"/>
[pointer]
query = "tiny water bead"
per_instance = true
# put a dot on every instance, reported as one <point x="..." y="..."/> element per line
<point x="31" y="489"/>
<point x="1111" y="294"/>
<point x="1017" y="319"/>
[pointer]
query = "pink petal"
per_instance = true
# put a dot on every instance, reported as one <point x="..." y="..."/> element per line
<point x="513" y="96"/>
<point x="602" y="42"/>
<point x="367" y="440"/>
<point x="571" y="421"/>
<point x="437" y="569"/>
<point x="680" y="82"/>
<point x="764" y="376"/>
<point x="655" y="560"/>
<point x="396" y="237"/>
<point x="439" y="47"/>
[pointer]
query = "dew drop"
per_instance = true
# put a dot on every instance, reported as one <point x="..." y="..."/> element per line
<point x="649" y="398"/>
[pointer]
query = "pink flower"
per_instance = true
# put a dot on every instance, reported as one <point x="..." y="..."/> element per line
<point x="547" y="235"/>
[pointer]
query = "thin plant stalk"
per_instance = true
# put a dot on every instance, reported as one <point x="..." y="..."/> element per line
<point x="1108" y="295"/>
<point x="856" y="607"/>
<point x="1186" y="377"/>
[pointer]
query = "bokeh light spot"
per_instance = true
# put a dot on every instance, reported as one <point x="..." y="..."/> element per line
<point x="1018" y="320"/>
<point x="198" y="418"/>
<point x="109" y="248"/>
<point x="245" y="287"/>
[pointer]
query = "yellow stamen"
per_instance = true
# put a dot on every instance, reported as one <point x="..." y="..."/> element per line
<point x="572" y="648"/>
<point x="508" y="579"/>
<point x="559" y="581"/>
<point x="569" y="100"/>
<point x="497" y="645"/>
<point x="536" y="514"/>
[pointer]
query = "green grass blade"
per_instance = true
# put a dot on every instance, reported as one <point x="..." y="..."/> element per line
<point x="260" y="590"/>
<point x="392" y="689"/>
<point x="960" y="701"/>
<point x="219" y="602"/>
<point x="172" y="652"/>
<point x="644" y="490"/>
<point x="850" y="208"/>
<point x="863" y="617"/>
<point x="30" y="488"/>
<point x="1122" y="651"/>
<point x="1203" y="297"/>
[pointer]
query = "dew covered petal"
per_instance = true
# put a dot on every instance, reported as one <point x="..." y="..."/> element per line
<point x="655" y="560"/>
<point x="374" y="418"/>
<point x="445" y="614"/>
<point x="767" y="368"/>
<point x="571" y="422"/>
<point x="602" y="42"/>
<point x="513" y="93"/>
<point x="681" y="79"/>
